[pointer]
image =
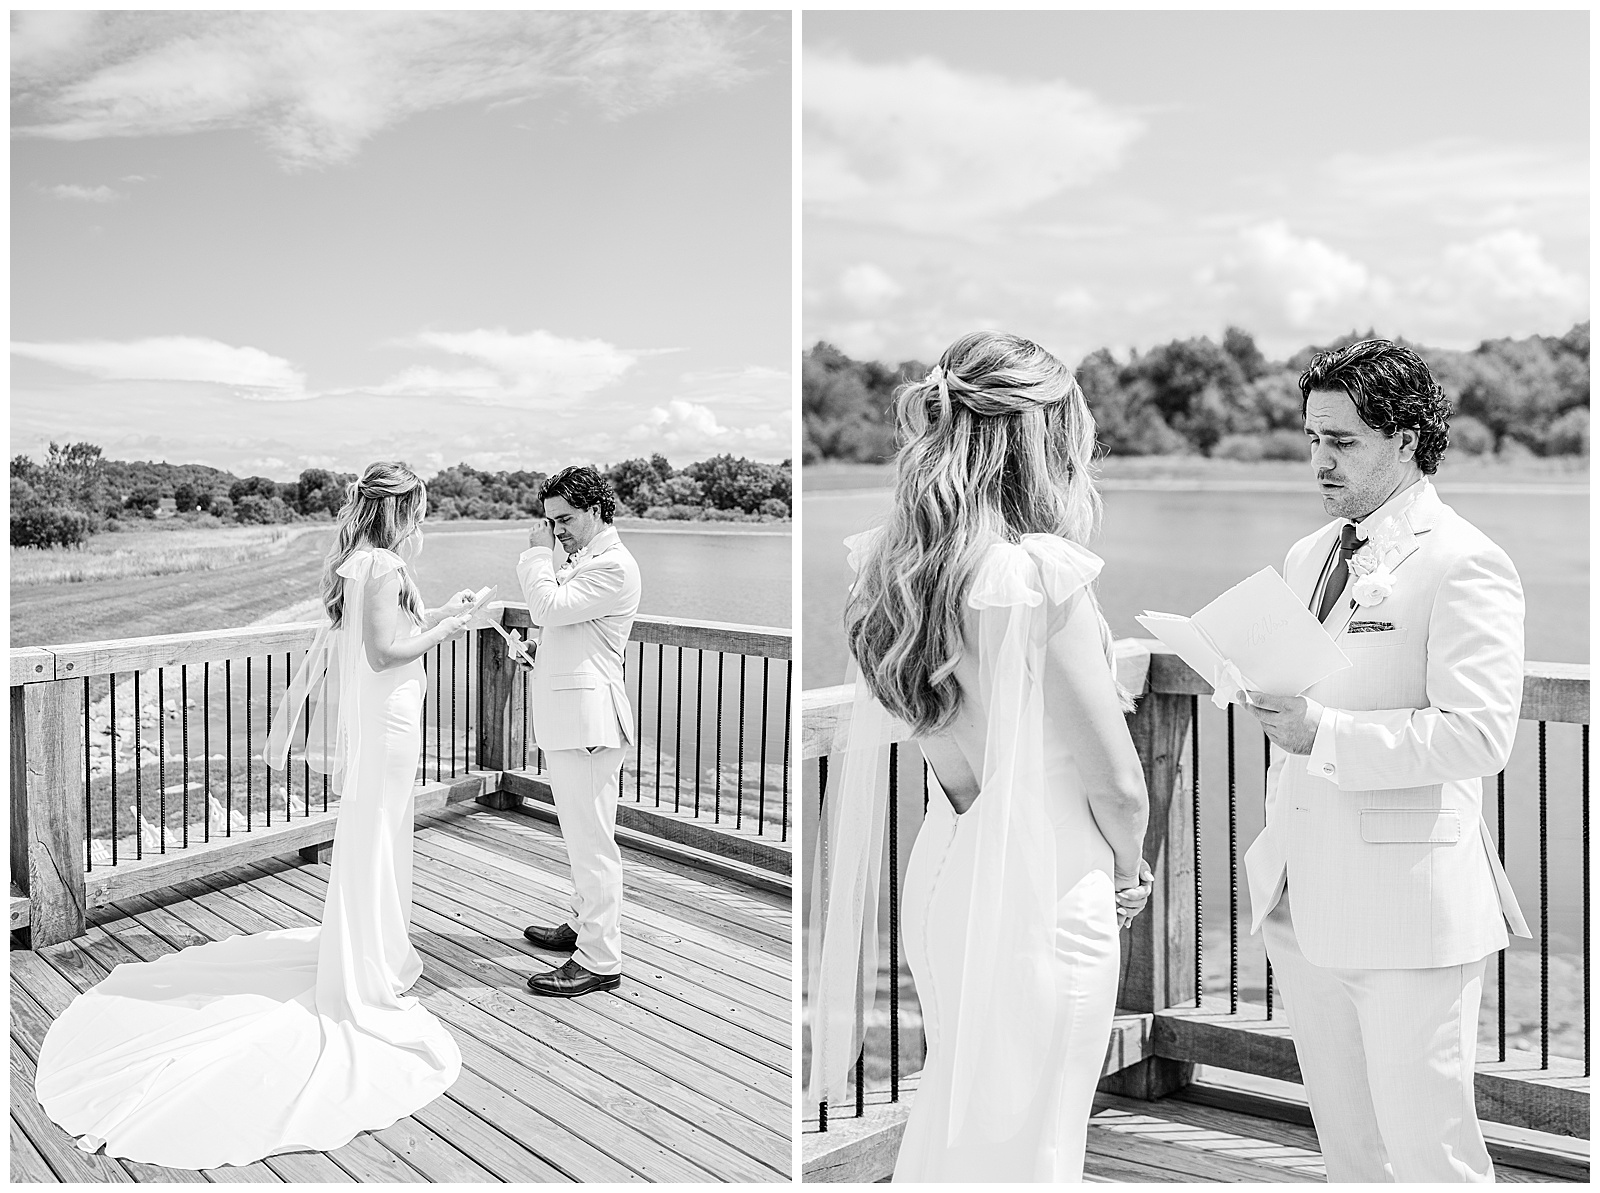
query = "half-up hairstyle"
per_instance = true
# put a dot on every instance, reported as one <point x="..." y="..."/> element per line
<point x="382" y="509"/>
<point x="582" y="487"/>
<point x="995" y="442"/>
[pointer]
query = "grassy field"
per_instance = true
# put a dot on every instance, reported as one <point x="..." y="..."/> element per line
<point x="127" y="555"/>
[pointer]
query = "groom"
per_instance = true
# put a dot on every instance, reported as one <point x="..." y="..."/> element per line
<point x="581" y="717"/>
<point x="1375" y="877"/>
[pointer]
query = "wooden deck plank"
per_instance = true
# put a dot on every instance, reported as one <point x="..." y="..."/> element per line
<point x="495" y="1009"/>
<point x="65" y="1158"/>
<point x="583" y="1160"/>
<point x="27" y="1165"/>
<point x="506" y="837"/>
<point x="1151" y="1139"/>
<point x="498" y="890"/>
<point x="753" y="1089"/>
<point x="761" y="1037"/>
<point x="643" y="926"/>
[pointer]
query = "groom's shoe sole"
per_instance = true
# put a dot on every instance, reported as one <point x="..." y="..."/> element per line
<point x="567" y="988"/>
<point x="561" y="939"/>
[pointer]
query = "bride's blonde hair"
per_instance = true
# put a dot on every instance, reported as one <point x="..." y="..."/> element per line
<point x="996" y="442"/>
<point x="382" y="509"/>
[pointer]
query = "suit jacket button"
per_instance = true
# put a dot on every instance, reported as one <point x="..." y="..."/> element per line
<point x="1327" y="768"/>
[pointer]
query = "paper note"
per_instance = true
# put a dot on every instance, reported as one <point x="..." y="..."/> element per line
<point x="1257" y="635"/>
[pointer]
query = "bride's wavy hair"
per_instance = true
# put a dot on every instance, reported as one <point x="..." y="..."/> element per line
<point x="382" y="509"/>
<point x="995" y="442"/>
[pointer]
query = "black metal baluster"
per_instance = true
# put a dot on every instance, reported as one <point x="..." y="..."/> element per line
<point x="1500" y="840"/>
<point x="677" y="739"/>
<point x="205" y="737"/>
<point x="1584" y="803"/>
<point x="1199" y="887"/>
<point x="761" y="798"/>
<point x="716" y="811"/>
<point x="699" y="710"/>
<point x="822" y="869"/>
<point x="266" y="771"/>
<point x="1233" y="878"/>
<point x="523" y="674"/>
<point x="452" y="708"/>
<point x="1266" y="775"/>
<point x="305" y="749"/>
<point x="183" y="696"/>
<point x="744" y="671"/>
<point x="111" y="691"/>
<point x="161" y="753"/>
<point x="1544" y="908"/>
<point x="138" y="776"/>
<point x="661" y="680"/>
<point x="227" y="692"/>
<point x="861" y="1077"/>
<point x="438" y="712"/>
<point x="88" y="784"/>
<point x="638" y="733"/>
<point x="249" y="749"/>
<point x="466" y="701"/>
<point x="894" y="922"/>
<point x="788" y="713"/>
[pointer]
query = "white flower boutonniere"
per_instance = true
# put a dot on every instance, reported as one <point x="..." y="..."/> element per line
<point x="1373" y="587"/>
<point x="1373" y="567"/>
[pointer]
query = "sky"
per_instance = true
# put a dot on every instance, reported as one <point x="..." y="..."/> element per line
<point x="1119" y="180"/>
<point x="269" y="241"/>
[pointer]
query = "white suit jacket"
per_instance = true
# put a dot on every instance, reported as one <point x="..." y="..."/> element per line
<point x="1380" y="832"/>
<point x="585" y="614"/>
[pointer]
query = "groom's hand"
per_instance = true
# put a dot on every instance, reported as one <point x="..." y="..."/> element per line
<point x="1290" y="721"/>
<point x="542" y="534"/>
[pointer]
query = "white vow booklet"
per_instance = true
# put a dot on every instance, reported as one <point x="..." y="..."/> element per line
<point x="1257" y="635"/>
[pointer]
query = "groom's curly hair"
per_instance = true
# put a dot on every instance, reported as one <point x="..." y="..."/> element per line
<point x="582" y="487"/>
<point x="1392" y="389"/>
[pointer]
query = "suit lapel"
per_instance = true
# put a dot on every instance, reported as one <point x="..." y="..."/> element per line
<point x="1418" y="519"/>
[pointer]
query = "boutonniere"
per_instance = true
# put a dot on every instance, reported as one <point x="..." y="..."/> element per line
<point x="1373" y="566"/>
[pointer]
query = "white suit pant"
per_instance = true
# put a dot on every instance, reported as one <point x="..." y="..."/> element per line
<point x="1387" y="1058"/>
<point x="585" y="788"/>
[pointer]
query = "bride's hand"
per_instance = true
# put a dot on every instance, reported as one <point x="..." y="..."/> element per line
<point x="450" y="627"/>
<point x="456" y="602"/>
<point x="1134" y="894"/>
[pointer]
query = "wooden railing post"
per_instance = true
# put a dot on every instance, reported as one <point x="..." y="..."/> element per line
<point x="1159" y="954"/>
<point x="47" y="829"/>
<point x="499" y="712"/>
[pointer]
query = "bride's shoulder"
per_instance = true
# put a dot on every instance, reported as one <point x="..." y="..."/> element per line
<point x="862" y="545"/>
<point x="1041" y="567"/>
<point x="370" y="563"/>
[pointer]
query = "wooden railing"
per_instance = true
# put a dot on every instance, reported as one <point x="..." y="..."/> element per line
<point x="1165" y="1022"/>
<point x="78" y="843"/>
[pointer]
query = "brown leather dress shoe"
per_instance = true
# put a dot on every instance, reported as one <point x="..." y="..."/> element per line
<point x="560" y="939"/>
<point x="572" y="980"/>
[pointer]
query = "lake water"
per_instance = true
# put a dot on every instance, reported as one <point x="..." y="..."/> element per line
<point x="738" y="577"/>
<point x="1174" y="550"/>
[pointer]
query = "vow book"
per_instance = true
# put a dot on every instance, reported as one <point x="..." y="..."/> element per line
<point x="1257" y="635"/>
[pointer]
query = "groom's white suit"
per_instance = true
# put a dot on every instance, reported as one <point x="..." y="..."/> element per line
<point x="1375" y="877"/>
<point x="583" y="722"/>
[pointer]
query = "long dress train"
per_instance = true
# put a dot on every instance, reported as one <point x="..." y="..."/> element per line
<point x="278" y="1041"/>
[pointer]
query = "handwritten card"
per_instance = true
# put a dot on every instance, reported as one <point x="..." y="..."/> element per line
<point x="1257" y="635"/>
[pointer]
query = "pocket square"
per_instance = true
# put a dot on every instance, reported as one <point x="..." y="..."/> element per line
<point x="1368" y="627"/>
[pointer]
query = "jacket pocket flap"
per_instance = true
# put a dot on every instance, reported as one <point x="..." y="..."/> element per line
<point x="574" y="681"/>
<point x="1367" y="633"/>
<point x="1386" y="825"/>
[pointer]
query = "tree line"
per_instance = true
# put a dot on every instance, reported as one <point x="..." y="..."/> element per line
<point x="74" y="493"/>
<point x="1509" y="397"/>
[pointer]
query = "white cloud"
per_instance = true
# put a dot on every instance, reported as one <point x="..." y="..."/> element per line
<point x="250" y="371"/>
<point x="1299" y="279"/>
<point x="689" y="427"/>
<point x="84" y="194"/>
<point x="922" y="146"/>
<point x="1511" y="264"/>
<point x="866" y="286"/>
<point x="512" y="369"/>
<point x="317" y="85"/>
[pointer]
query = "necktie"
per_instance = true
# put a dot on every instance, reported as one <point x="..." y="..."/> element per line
<point x="1339" y="574"/>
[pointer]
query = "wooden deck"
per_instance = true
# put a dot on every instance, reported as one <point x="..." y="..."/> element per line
<point x="681" y="1074"/>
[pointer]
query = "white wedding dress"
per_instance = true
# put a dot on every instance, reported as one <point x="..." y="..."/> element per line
<point x="1009" y="913"/>
<point x="279" y="1041"/>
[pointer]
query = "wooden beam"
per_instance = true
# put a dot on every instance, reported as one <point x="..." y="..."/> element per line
<point x="1555" y="692"/>
<point x="19" y="911"/>
<point x="78" y="659"/>
<point x="771" y="641"/>
<point x="32" y="664"/>
<point x="47" y="817"/>
<point x="500" y="711"/>
<point x="1518" y="1092"/>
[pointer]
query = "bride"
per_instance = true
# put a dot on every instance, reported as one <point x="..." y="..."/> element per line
<point x="973" y="621"/>
<point x="296" y="1039"/>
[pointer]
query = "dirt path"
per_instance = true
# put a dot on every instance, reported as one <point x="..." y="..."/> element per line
<point x="224" y="599"/>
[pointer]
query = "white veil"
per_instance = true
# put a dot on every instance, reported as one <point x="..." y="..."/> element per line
<point x="1010" y="945"/>
<point x="323" y="690"/>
